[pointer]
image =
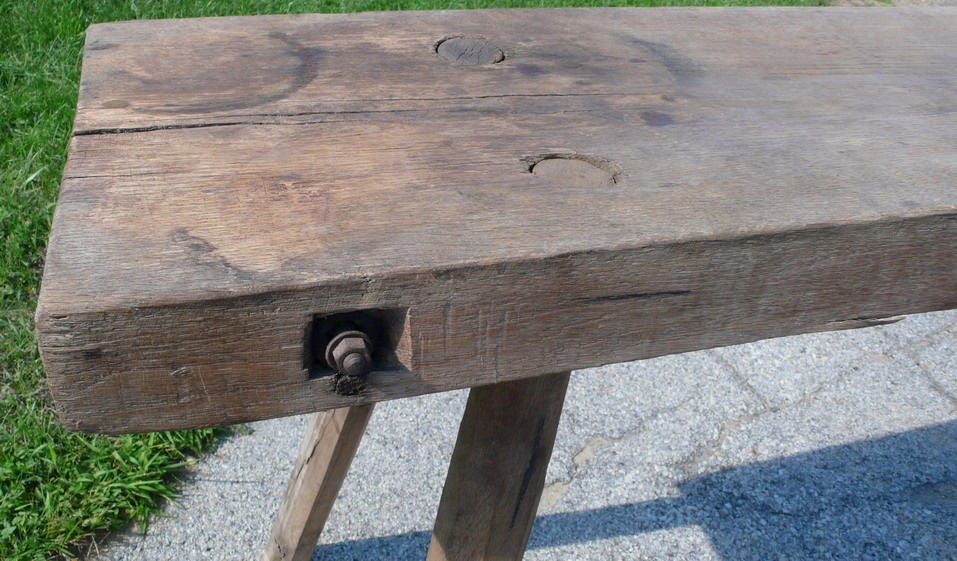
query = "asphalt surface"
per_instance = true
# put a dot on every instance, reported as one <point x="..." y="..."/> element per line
<point x="823" y="446"/>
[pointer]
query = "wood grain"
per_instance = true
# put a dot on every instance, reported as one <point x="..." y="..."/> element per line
<point x="331" y="441"/>
<point x="497" y="471"/>
<point x="615" y="188"/>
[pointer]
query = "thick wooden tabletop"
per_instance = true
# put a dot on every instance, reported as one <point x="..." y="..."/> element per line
<point x="507" y="192"/>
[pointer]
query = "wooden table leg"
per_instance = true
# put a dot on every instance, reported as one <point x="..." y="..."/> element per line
<point x="497" y="472"/>
<point x="331" y="441"/>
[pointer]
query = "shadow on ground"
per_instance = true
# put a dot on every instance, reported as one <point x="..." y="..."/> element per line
<point x="888" y="498"/>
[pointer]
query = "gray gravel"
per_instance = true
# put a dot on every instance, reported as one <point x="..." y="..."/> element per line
<point x="823" y="446"/>
<point x="926" y="3"/>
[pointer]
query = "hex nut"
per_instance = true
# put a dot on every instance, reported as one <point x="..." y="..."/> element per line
<point x="350" y="354"/>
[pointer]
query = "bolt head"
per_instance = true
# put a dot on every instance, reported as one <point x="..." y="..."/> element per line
<point x="355" y="364"/>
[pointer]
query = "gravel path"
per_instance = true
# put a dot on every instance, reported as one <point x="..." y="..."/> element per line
<point x="823" y="446"/>
<point x="926" y="3"/>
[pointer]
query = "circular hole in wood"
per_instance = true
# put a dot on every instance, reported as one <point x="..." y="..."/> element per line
<point x="469" y="51"/>
<point x="576" y="169"/>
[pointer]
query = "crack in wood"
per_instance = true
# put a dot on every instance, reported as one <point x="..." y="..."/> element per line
<point x="633" y="296"/>
<point x="431" y="110"/>
<point x="529" y="471"/>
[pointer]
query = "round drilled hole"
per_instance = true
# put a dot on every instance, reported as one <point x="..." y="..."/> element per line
<point x="576" y="169"/>
<point x="469" y="51"/>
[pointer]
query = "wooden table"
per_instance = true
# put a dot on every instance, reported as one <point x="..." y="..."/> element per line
<point x="273" y="215"/>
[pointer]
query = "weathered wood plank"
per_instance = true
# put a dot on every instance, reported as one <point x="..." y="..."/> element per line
<point x="314" y="67"/>
<point x="236" y="359"/>
<point x="331" y="441"/>
<point x="278" y="206"/>
<point x="741" y="184"/>
<point x="497" y="471"/>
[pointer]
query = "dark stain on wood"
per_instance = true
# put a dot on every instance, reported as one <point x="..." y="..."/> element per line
<point x="308" y="62"/>
<point x="194" y="244"/>
<point x="206" y="253"/>
<point x="304" y="73"/>
<point x="685" y="70"/>
<point x="530" y="70"/>
<point x="657" y="119"/>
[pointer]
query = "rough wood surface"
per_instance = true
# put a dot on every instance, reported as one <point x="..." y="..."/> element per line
<point x="331" y="441"/>
<point x="625" y="183"/>
<point x="497" y="471"/>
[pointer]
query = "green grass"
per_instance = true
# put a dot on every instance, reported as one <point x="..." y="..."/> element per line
<point x="58" y="488"/>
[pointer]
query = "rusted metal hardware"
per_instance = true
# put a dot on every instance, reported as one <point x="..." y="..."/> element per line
<point x="350" y="354"/>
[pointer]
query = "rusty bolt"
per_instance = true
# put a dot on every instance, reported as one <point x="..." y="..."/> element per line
<point x="350" y="354"/>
